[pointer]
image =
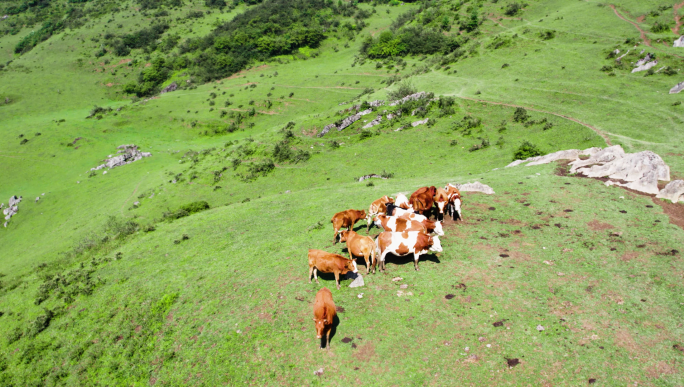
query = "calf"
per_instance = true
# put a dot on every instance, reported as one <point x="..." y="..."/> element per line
<point x="330" y="263"/>
<point x="346" y="219"/>
<point x="360" y="246"/>
<point x="455" y="201"/>
<point x="324" y="315"/>
<point x="430" y="226"/>
<point x="441" y="200"/>
<point x="423" y="199"/>
<point x="377" y="207"/>
<point x="404" y="243"/>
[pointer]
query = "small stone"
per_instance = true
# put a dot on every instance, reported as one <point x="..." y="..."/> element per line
<point x="357" y="282"/>
<point x="540" y="328"/>
<point x="397" y="279"/>
<point x="404" y="286"/>
<point x="360" y="295"/>
<point x="318" y="372"/>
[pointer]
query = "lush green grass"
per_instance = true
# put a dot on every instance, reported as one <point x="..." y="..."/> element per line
<point x="170" y="312"/>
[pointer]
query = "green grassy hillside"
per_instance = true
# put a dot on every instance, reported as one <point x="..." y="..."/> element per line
<point x="582" y="280"/>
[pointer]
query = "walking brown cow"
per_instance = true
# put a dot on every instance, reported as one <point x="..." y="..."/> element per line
<point x="330" y="263"/>
<point x="324" y="315"/>
<point x="360" y="246"/>
<point x="346" y="219"/>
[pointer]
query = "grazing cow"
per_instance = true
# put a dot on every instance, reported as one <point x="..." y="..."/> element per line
<point x="455" y="201"/>
<point x="324" y="314"/>
<point x="423" y="199"/>
<point x="330" y="263"/>
<point x="441" y="200"/>
<point x="360" y="246"/>
<point x="346" y="219"/>
<point x="377" y="207"/>
<point x="398" y="224"/>
<point x="404" y="243"/>
<point x="430" y="226"/>
<point x="403" y="202"/>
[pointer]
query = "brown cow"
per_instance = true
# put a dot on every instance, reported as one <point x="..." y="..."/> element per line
<point x="360" y="246"/>
<point x="441" y="200"/>
<point x="346" y="219"/>
<point x="330" y="263"/>
<point x="398" y="224"/>
<point x="377" y="207"/>
<point x="324" y="314"/>
<point x="429" y="225"/>
<point x="423" y="199"/>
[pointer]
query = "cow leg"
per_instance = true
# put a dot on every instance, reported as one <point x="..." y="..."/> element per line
<point x="415" y="260"/>
<point x="327" y="338"/>
<point x="382" y="261"/>
<point x="367" y="257"/>
<point x="337" y="279"/>
<point x="315" y="271"/>
<point x="311" y="269"/>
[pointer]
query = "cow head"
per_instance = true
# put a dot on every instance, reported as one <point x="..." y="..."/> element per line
<point x="441" y="205"/>
<point x="438" y="228"/>
<point x="351" y="266"/>
<point x="344" y="235"/>
<point x="432" y="191"/>
<point x="435" y="246"/>
<point x="320" y="326"/>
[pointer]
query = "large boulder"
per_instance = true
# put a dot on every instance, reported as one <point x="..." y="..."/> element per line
<point x="475" y="187"/>
<point x="641" y="170"/>
<point x="371" y="124"/>
<point x="570" y="154"/>
<point x="677" y="88"/>
<point x="673" y="191"/>
<point x="645" y="66"/>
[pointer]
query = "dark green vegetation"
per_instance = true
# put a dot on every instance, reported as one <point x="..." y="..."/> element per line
<point x="189" y="267"/>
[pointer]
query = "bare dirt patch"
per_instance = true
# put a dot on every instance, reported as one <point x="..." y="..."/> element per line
<point x="624" y="339"/>
<point x="599" y="226"/>
<point x="674" y="211"/>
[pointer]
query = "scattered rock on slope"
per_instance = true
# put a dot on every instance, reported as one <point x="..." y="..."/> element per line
<point x="570" y="154"/>
<point x="677" y="88"/>
<point x="172" y="87"/>
<point x="11" y="209"/>
<point x="645" y="66"/>
<point x="126" y="155"/>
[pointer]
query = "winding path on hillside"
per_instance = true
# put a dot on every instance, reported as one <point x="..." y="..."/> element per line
<point x="641" y="32"/>
<point x="596" y="130"/>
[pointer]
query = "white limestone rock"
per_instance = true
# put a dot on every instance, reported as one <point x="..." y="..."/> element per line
<point x="357" y="282"/>
<point x="677" y="88"/>
<point x="421" y="122"/>
<point x="645" y="66"/>
<point x="679" y="42"/>
<point x="475" y="187"/>
<point x="673" y="191"/>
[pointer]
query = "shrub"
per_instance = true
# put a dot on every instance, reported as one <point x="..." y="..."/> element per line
<point x="365" y="134"/>
<point x="547" y="35"/>
<point x="186" y="210"/>
<point x="669" y="71"/>
<point x="404" y="89"/>
<point x="512" y="9"/>
<point x="520" y="115"/>
<point x="482" y="145"/>
<point x="467" y="124"/>
<point x="526" y="150"/>
<point x="334" y="144"/>
<point x="660" y="27"/>
<point x="119" y="227"/>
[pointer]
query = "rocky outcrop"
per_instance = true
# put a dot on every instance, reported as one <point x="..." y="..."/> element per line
<point x="345" y="122"/>
<point x="570" y="154"/>
<point x="326" y="130"/>
<point x="126" y="155"/>
<point x="643" y="60"/>
<point x="412" y="97"/>
<point x="172" y="87"/>
<point x="638" y="171"/>
<point x="645" y="66"/>
<point x="11" y="209"/>
<point x="673" y="191"/>
<point x="641" y="170"/>
<point x="421" y="122"/>
<point x="371" y="124"/>
<point x="475" y="187"/>
<point x="679" y="42"/>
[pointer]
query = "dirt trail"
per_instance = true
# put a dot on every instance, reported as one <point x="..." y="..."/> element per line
<point x="677" y="18"/>
<point x="597" y="131"/>
<point x="641" y="32"/>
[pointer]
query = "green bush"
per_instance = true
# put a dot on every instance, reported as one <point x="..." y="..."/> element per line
<point x="658" y="27"/>
<point x="526" y="150"/>
<point x="186" y="210"/>
<point x="405" y="88"/>
<point x="512" y="9"/>
<point x="520" y="115"/>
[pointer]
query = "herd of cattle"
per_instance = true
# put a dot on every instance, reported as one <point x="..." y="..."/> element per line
<point x="407" y="228"/>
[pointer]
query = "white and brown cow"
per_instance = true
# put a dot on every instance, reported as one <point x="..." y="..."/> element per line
<point x="394" y="223"/>
<point x="455" y="201"/>
<point x="405" y="243"/>
<point x="377" y="207"/>
<point x="398" y="224"/>
<point x="441" y="200"/>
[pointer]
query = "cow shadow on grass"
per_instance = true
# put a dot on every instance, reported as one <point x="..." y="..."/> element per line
<point x="408" y="259"/>
<point x="333" y="331"/>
